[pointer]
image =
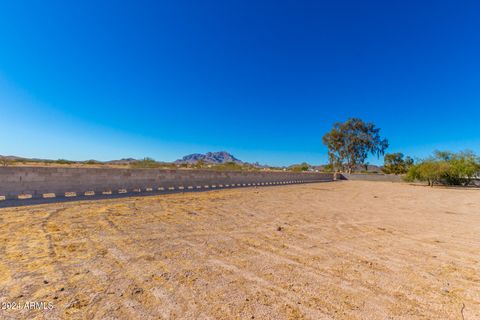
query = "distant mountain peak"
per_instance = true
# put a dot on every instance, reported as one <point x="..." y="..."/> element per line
<point x="219" y="157"/>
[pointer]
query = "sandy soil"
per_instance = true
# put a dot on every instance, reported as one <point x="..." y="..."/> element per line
<point x="341" y="250"/>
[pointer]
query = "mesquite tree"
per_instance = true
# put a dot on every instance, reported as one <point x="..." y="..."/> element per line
<point x="4" y="161"/>
<point x="396" y="163"/>
<point x="350" y="143"/>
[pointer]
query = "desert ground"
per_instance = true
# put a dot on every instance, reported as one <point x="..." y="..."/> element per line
<point x="337" y="250"/>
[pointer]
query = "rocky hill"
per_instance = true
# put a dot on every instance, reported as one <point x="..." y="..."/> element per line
<point x="220" y="157"/>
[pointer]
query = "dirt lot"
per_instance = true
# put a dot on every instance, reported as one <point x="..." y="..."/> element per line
<point x="341" y="250"/>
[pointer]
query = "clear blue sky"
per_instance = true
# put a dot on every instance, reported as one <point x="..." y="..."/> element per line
<point x="263" y="80"/>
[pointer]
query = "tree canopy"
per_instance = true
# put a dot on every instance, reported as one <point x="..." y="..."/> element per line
<point x="300" y="167"/>
<point x="395" y="163"/>
<point x="350" y="143"/>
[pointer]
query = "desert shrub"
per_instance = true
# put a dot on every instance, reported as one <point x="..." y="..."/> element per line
<point x="328" y="168"/>
<point x="92" y="162"/>
<point x="22" y="161"/>
<point x="446" y="168"/>
<point x="431" y="171"/>
<point x="5" y="162"/>
<point x="234" y="166"/>
<point x="64" y="161"/>
<point x="300" y="167"/>
<point x="200" y="164"/>
<point x="228" y="166"/>
<point x="145" y="163"/>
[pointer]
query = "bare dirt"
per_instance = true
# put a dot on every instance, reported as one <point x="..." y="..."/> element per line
<point x="341" y="250"/>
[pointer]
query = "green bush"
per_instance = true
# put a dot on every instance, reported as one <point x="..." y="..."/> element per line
<point x="463" y="168"/>
<point x="328" y="168"/>
<point x="300" y="167"/>
<point x="446" y="168"/>
<point x="431" y="171"/>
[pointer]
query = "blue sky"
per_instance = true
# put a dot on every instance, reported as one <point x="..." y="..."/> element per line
<point x="263" y="80"/>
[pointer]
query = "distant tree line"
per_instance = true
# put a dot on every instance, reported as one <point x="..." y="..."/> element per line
<point x="351" y="142"/>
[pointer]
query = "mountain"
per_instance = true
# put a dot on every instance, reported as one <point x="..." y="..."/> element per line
<point x="209" y="157"/>
<point x="12" y="158"/>
<point x="123" y="161"/>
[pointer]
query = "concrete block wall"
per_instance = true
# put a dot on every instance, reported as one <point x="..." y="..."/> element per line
<point x="370" y="177"/>
<point x="39" y="182"/>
